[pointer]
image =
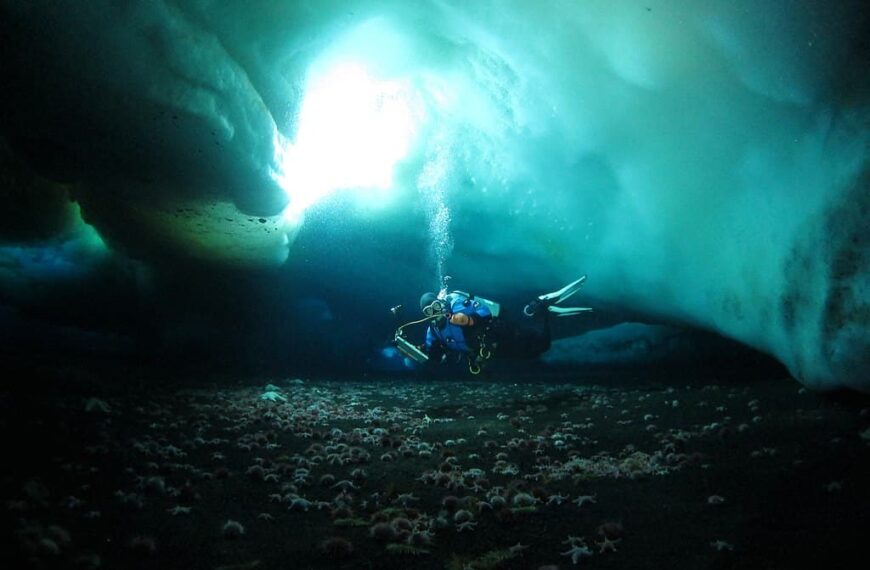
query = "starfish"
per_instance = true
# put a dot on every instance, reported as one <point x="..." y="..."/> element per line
<point x="272" y="396"/>
<point x="97" y="405"/>
<point x="721" y="545"/>
<point x="72" y="502"/>
<point x="405" y="498"/>
<point x="609" y="545"/>
<point x="467" y="525"/>
<point x="345" y="484"/>
<point x="556" y="499"/>
<point x="299" y="503"/>
<point x="583" y="499"/>
<point x="178" y="510"/>
<point x="577" y="552"/>
<point x="715" y="500"/>
<point x="517" y="548"/>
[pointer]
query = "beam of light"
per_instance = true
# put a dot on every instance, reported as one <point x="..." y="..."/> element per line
<point x="352" y="131"/>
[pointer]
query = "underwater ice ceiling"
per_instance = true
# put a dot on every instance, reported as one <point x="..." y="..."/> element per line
<point x="704" y="162"/>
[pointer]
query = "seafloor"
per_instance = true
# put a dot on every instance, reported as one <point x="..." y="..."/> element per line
<point x="593" y="471"/>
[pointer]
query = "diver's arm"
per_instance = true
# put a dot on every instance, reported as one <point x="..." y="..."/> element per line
<point x="429" y="342"/>
<point x="462" y="320"/>
<point x="478" y="315"/>
<point x="437" y="355"/>
<point x="433" y="347"/>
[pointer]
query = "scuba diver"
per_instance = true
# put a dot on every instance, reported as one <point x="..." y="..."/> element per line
<point x="476" y="329"/>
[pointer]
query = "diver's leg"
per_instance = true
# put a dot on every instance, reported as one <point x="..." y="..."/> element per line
<point x="532" y="341"/>
<point x="543" y="339"/>
<point x="568" y="311"/>
<point x="523" y="339"/>
<point x="563" y="293"/>
<point x="548" y="300"/>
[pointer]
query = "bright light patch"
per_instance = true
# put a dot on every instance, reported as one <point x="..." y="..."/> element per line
<point x="352" y="131"/>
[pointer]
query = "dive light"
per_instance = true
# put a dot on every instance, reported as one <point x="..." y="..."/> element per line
<point x="409" y="350"/>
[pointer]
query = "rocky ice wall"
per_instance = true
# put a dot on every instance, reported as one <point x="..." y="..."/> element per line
<point x="703" y="163"/>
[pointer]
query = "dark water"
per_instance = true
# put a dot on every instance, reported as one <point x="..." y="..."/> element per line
<point x="677" y="473"/>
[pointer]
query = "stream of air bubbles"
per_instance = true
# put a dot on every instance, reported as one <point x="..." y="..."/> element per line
<point x="432" y="184"/>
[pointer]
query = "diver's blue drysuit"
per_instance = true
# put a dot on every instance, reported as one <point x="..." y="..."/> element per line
<point x="478" y="328"/>
<point x="448" y="333"/>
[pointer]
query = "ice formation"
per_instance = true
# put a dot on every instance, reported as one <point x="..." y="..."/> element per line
<point x="706" y="163"/>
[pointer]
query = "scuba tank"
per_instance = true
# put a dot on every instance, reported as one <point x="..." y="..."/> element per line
<point x="494" y="308"/>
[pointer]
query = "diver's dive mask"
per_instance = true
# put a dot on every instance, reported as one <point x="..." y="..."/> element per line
<point x="436" y="308"/>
